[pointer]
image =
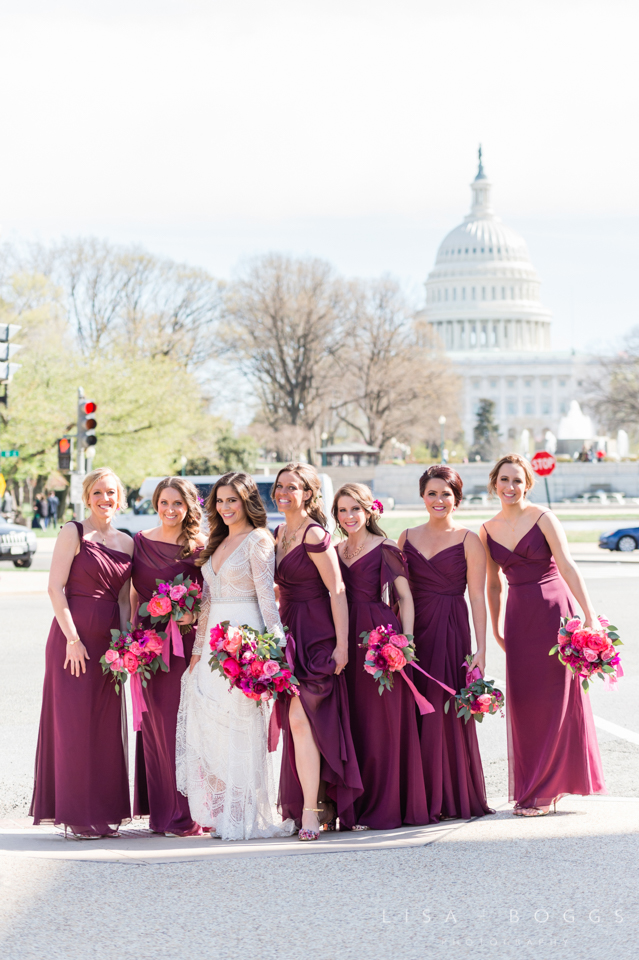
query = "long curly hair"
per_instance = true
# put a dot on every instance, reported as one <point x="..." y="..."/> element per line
<point x="362" y="495"/>
<point x="310" y="480"/>
<point x="246" y="489"/>
<point x="193" y="518"/>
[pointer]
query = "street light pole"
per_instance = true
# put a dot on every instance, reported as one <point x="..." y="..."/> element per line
<point x="442" y="424"/>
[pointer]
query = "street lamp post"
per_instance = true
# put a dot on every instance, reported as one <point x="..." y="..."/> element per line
<point x="442" y="424"/>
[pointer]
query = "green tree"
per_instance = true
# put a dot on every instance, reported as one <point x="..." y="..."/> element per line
<point x="486" y="432"/>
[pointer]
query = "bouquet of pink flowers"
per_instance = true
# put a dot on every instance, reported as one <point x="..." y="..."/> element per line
<point x="386" y="652"/>
<point x="136" y="654"/>
<point x="589" y="652"/>
<point x="253" y="662"/>
<point x="171" y="601"/>
<point x="478" y="697"/>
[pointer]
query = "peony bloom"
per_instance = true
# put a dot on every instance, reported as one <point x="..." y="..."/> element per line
<point x="135" y="648"/>
<point x="280" y="683"/>
<point x="231" y="668"/>
<point x="270" y="668"/>
<point x="117" y="665"/>
<point x="130" y="661"/>
<point x="374" y="636"/>
<point x="287" y="673"/>
<point x="483" y="702"/>
<point x="159" y="606"/>
<point x="608" y="653"/>
<point x="232" y="641"/>
<point x="590" y="655"/>
<point x="111" y="655"/>
<point x="154" y="646"/>
<point x="177" y="591"/>
<point x="399" y="640"/>
<point x="573" y="625"/>
<point x="370" y="668"/>
<point x="394" y="656"/>
<point x="256" y="668"/>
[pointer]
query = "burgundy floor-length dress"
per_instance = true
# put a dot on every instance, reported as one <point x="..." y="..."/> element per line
<point x="453" y="772"/>
<point x="81" y="778"/>
<point x="384" y="728"/>
<point x="156" y="794"/>
<point x="552" y="745"/>
<point x="305" y="608"/>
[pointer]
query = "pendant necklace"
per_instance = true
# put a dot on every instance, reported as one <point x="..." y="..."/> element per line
<point x="98" y="532"/>
<point x="286" y="542"/>
<point x="355" y="553"/>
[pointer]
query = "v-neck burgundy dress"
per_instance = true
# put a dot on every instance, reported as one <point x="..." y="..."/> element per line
<point x="453" y="773"/>
<point x="305" y="608"/>
<point x="552" y="744"/>
<point x="156" y="794"/>
<point x="81" y="778"/>
<point x="384" y="728"/>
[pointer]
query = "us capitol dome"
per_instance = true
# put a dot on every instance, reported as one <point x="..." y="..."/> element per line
<point x="483" y="302"/>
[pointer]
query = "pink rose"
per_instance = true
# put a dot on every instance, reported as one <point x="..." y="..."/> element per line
<point x="135" y="648"/>
<point x="590" y="655"/>
<point x="177" y="591"/>
<point x="231" y="668"/>
<point x="117" y="665"/>
<point x="232" y="641"/>
<point x="394" y="656"/>
<point x="158" y="606"/>
<point x="483" y="702"/>
<point x="573" y="625"/>
<point x="111" y="655"/>
<point x="399" y="640"/>
<point x="608" y="653"/>
<point x="270" y="668"/>
<point x="131" y="662"/>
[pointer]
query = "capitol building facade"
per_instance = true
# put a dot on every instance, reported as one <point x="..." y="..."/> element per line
<point x="483" y="302"/>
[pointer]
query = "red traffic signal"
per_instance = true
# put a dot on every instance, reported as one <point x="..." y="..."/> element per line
<point x="87" y="423"/>
<point x="90" y="407"/>
<point x="64" y="454"/>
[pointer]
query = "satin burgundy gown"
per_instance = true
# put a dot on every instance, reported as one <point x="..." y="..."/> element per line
<point x="81" y="778"/>
<point x="552" y="745"/>
<point x="384" y="729"/>
<point x="156" y="794"/>
<point x="453" y="773"/>
<point x="305" y="608"/>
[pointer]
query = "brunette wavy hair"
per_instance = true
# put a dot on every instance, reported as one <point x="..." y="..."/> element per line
<point x="310" y="482"/>
<point x="439" y="471"/>
<point x="246" y="489"/>
<point x="517" y="461"/>
<point x="362" y="495"/>
<point x="193" y="518"/>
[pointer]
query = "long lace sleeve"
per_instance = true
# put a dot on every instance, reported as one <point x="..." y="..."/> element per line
<point x="203" y="620"/>
<point x="262" y="560"/>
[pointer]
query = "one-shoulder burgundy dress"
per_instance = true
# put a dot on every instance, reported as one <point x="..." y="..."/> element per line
<point x="81" y="777"/>
<point x="305" y="608"/>
<point x="453" y="772"/>
<point x="384" y="728"/>
<point x="552" y="744"/>
<point x="156" y="794"/>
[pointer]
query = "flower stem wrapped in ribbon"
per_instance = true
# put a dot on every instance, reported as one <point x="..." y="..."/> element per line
<point x="589" y="653"/>
<point x="388" y="652"/>
<point x="254" y="663"/>
<point x="136" y="654"/>
<point x="169" y="604"/>
<point x="478" y="697"/>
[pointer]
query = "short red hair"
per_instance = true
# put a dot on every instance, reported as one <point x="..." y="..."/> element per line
<point x="440" y="471"/>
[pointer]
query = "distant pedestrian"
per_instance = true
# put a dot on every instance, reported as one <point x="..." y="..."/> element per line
<point x="8" y="505"/>
<point x="54" y="504"/>
<point x="43" y="510"/>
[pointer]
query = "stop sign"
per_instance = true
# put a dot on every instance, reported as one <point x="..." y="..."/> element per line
<point x="543" y="463"/>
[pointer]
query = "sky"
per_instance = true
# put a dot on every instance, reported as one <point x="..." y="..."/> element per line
<point x="212" y="132"/>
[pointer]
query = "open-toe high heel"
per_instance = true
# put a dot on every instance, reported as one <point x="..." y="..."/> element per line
<point x="304" y="833"/>
<point x="328" y="815"/>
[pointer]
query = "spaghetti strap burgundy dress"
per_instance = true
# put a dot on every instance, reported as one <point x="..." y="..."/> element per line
<point x="81" y="778"/>
<point x="384" y="729"/>
<point x="552" y="744"/>
<point x="156" y="794"/>
<point x="305" y="608"/>
<point x="452" y="767"/>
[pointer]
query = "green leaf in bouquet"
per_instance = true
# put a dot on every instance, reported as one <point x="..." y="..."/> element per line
<point x="585" y="685"/>
<point x="380" y="689"/>
<point x="188" y="602"/>
<point x="553" y="650"/>
<point x="159" y="660"/>
<point x="446" y="706"/>
<point x="377" y="674"/>
<point x="115" y="634"/>
<point x="179" y="578"/>
<point x="613" y="636"/>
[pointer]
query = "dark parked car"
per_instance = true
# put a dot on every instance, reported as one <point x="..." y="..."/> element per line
<point x="626" y="540"/>
<point x="17" y="543"/>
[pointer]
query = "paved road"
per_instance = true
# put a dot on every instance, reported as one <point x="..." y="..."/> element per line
<point x="486" y="886"/>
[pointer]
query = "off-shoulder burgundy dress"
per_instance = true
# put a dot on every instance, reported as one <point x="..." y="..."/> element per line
<point x="156" y="794"/>
<point x="552" y="744"/>
<point x="453" y="772"/>
<point x="81" y="777"/>
<point x="384" y="728"/>
<point x="305" y="608"/>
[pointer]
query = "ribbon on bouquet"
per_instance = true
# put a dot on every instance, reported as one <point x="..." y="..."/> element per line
<point x="610" y="679"/>
<point x="172" y="634"/>
<point x="138" y="701"/>
<point x="424" y="705"/>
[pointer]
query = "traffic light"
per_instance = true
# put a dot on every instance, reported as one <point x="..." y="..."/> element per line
<point x="87" y="423"/>
<point x="65" y="454"/>
<point x="7" y="350"/>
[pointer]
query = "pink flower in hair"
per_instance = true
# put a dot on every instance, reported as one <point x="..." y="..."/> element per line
<point x="377" y="507"/>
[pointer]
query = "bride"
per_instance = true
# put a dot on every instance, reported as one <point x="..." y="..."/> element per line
<point x="223" y="764"/>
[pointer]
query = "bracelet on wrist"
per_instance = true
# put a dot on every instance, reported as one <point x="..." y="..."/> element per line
<point x="71" y="642"/>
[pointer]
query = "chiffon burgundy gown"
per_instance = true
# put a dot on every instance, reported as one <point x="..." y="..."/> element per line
<point x="552" y="745"/>
<point x="453" y="773"/>
<point x="305" y="608"/>
<point x="81" y="778"/>
<point x="156" y="794"/>
<point x="384" y="729"/>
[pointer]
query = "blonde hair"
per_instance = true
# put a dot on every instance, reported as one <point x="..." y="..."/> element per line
<point x="517" y="461"/>
<point x="92" y="478"/>
<point x="310" y="481"/>
<point x="364" y="497"/>
<point x="193" y="518"/>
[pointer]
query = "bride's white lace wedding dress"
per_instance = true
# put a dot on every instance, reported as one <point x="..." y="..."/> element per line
<point x="222" y="759"/>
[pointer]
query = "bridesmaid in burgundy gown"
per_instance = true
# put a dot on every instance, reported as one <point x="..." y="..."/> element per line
<point x="81" y="778"/>
<point x="318" y="749"/>
<point x="552" y="744"/>
<point x="161" y="554"/>
<point x="443" y="559"/>
<point x="384" y="728"/>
